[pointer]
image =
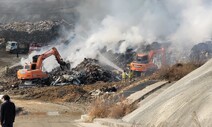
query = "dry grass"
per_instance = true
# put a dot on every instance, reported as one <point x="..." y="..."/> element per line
<point x="99" y="108"/>
<point x="109" y="108"/>
<point x="175" y="72"/>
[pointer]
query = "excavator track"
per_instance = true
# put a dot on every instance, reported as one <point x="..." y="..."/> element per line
<point x="26" y="84"/>
<point x="34" y="83"/>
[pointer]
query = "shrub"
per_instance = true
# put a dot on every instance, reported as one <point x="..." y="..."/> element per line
<point x="104" y="107"/>
<point x="99" y="108"/>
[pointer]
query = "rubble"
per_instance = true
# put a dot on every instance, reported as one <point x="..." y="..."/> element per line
<point x="27" y="32"/>
<point x="201" y="52"/>
<point x="103" y="90"/>
<point x="87" y="72"/>
<point x="29" y="27"/>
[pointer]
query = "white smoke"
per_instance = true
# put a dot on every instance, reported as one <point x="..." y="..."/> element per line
<point x="105" y="23"/>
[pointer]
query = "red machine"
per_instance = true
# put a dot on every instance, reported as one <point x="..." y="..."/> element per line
<point x="144" y="62"/>
<point x="33" y="72"/>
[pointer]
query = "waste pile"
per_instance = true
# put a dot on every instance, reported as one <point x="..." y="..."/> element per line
<point x="88" y="71"/>
<point x="201" y="52"/>
<point x="28" y="32"/>
<point x="29" y="27"/>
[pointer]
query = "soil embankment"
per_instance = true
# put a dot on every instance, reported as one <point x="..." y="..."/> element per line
<point x="186" y="103"/>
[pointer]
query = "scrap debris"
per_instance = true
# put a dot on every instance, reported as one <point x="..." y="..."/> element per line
<point x="201" y="52"/>
<point x="88" y="71"/>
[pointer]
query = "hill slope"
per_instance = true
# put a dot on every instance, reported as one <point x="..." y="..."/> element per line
<point x="186" y="103"/>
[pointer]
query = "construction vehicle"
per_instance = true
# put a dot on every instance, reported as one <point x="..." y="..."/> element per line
<point x="32" y="74"/>
<point x="144" y="63"/>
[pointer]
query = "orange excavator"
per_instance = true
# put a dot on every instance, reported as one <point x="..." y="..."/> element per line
<point x="32" y="73"/>
<point x="145" y="64"/>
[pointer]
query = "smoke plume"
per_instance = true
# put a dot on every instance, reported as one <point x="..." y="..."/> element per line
<point x="37" y="10"/>
<point x="118" y="24"/>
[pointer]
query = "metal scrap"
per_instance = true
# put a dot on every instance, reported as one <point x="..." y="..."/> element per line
<point x="88" y="71"/>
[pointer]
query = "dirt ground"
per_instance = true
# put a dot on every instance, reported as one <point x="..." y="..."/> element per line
<point x="42" y="114"/>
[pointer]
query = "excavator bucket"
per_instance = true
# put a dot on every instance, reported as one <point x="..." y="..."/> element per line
<point x="65" y="66"/>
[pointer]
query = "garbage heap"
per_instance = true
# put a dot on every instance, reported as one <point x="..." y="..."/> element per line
<point x="28" y="32"/>
<point x="89" y="71"/>
<point x="201" y="52"/>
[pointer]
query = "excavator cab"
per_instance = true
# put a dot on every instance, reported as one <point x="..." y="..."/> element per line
<point x="144" y="63"/>
<point x="142" y="58"/>
<point x="27" y="67"/>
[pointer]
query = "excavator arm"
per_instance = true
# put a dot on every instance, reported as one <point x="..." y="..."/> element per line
<point x="47" y="54"/>
<point x="159" y="51"/>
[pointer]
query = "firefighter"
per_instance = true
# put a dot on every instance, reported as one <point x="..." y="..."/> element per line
<point x="130" y="75"/>
<point x="124" y="76"/>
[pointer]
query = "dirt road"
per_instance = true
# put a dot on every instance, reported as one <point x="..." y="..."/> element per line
<point x="9" y="59"/>
<point x="42" y="114"/>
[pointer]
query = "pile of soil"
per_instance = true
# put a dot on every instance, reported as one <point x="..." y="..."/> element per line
<point x="68" y="93"/>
